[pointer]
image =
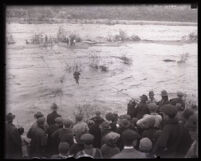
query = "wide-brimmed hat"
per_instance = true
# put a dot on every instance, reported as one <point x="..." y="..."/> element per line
<point x="38" y="114"/>
<point x="10" y="117"/>
<point x="164" y="93"/>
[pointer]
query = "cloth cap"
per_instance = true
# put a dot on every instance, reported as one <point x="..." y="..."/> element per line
<point x="87" y="138"/>
<point x="112" y="136"/>
<point x="59" y="120"/>
<point x="129" y="135"/>
<point x="38" y="114"/>
<point x="109" y="116"/>
<point x="124" y="123"/>
<point x="67" y="122"/>
<point x="164" y="93"/>
<point x="41" y="120"/>
<point x="147" y="121"/>
<point x="145" y="144"/>
<point x="10" y="117"/>
<point x="169" y="110"/>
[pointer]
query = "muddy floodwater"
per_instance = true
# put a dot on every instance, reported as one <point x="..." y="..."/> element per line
<point x="37" y="77"/>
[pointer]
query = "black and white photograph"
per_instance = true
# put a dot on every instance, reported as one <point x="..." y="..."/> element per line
<point x="101" y="81"/>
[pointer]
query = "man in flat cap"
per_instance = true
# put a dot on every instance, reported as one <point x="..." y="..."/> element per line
<point x="38" y="139"/>
<point x="129" y="138"/>
<point x="13" y="140"/>
<point x="174" y="140"/>
<point x="52" y="116"/>
<point x="179" y="102"/>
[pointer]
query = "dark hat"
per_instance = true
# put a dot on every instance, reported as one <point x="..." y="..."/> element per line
<point x="87" y="138"/>
<point x="109" y="116"/>
<point x="105" y="125"/>
<point x="41" y="120"/>
<point x="79" y="117"/>
<point x="169" y="110"/>
<point x="38" y="114"/>
<point x="67" y="122"/>
<point x="144" y="97"/>
<point x="124" y="123"/>
<point x="151" y="93"/>
<point x="134" y="121"/>
<point x="54" y="106"/>
<point x="10" y="117"/>
<point x="59" y="120"/>
<point x="164" y="93"/>
<point x="129" y="136"/>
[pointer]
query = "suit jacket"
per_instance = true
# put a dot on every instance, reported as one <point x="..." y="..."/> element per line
<point x="13" y="142"/>
<point x="129" y="154"/>
<point x="51" y="118"/>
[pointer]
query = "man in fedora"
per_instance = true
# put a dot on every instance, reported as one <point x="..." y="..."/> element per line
<point x="13" y="140"/>
<point x="52" y="116"/>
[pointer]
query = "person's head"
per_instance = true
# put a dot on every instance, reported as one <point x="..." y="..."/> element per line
<point x="54" y="107"/>
<point x="38" y="115"/>
<point x="168" y="111"/>
<point x="41" y="122"/>
<point x="152" y="107"/>
<point x="21" y="130"/>
<point x="134" y="121"/>
<point x="151" y="94"/>
<point x="145" y="145"/>
<point x="67" y="123"/>
<point x="10" y="117"/>
<point x="59" y="121"/>
<point x="124" y="123"/>
<point x="128" y="137"/>
<point x="164" y="94"/>
<point x="90" y="123"/>
<point x="180" y="94"/>
<point x="87" y="139"/>
<point x="97" y="113"/>
<point x="143" y="98"/>
<point x="112" y="138"/>
<point x="63" y="148"/>
<point x="79" y="117"/>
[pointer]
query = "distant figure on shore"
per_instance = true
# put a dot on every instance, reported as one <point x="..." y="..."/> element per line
<point x="76" y="76"/>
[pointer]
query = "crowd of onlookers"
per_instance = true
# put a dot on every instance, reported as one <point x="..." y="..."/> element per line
<point x="150" y="129"/>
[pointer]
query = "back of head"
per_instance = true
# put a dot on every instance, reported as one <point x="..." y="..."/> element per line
<point x="169" y="110"/>
<point x="87" y="139"/>
<point x="164" y="93"/>
<point x="41" y="121"/>
<point x="129" y="136"/>
<point x="79" y="117"/>
<point x="152" y="107"/>
<point x="145" y="145"/>
<point x="63" y="147"/>
<point x="59" y="121"/>
<point x="67" y="123"/>
<point x="54" y="107"/>
<point x="38" y="115"/>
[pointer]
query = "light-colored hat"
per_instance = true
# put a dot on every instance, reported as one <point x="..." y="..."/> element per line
<point x="145" y="145"/>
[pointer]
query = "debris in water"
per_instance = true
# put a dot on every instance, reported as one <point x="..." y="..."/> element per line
<point x="169" y="60"/>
